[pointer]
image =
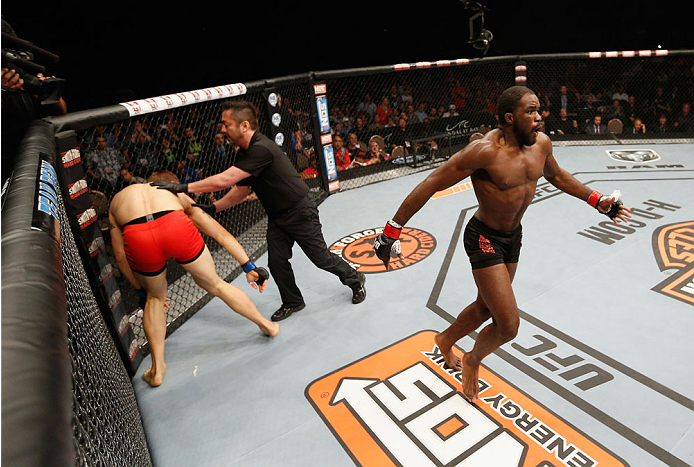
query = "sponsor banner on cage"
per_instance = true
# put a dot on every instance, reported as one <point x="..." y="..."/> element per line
<point x="170" y="101"/>
<point x="402" y="405"/>
<point x="323" y="116"/>
<point x="329" y="157"/>
<point x="85" y="223"/>
<point x="45" y="217"/>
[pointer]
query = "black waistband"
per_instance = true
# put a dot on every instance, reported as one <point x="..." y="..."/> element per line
<point x="499" y="233"/>
<point x="147" y="218"/>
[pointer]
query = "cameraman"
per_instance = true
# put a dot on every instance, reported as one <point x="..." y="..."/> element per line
<point x="20" y="106"/>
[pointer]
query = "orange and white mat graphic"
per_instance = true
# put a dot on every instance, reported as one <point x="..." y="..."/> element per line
<point x="402" y="406"/>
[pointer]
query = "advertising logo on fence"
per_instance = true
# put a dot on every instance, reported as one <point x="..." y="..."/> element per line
<point x="402" y="406"/>
<point x="358" y="249"/>
<point x="673" y="246"/>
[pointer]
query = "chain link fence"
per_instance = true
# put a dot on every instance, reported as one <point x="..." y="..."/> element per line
<point x="414" y="117"/>
<point x="385" y="122"/>
<point x="106" y="421"/>
<point x="189" y="143"/>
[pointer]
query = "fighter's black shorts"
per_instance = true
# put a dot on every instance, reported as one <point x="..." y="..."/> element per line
<point x="487" y="247"/>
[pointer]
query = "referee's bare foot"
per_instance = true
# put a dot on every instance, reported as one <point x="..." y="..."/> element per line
<point x="451" y="359"/>
<point x="270" y="329"/>
<point x="154" y="379"/>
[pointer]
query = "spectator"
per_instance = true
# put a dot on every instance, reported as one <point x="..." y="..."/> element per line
<point x="685" y="122"/>
<point x="355" y="146"/>
<point x="451" y="112"/>
<point x="410" y="114"/>
<point x="433" y="113"/>
<point x="383" y="111"/>
<point x="376" y="124"/>
<point x="663" y="125"/>
<point x="337" y="129"/>
<point x="565" y="125"/>
<point x="299" y="151"/>
<point x="596" y="127"/>
<point x="661" y="103"/>
<point x="620" y="94"/>
<point x="374" y="156"/>
<point x="222" y="150"/>
<point x="394" y="95"/>
<point x="346" y="126"/>
<point x="140" y="153"/>
<point x="565" y="100"/>
<point x="421" y="112"/>
<point x="367" y="106"/>
<point x="360" y="129"/>
<point x="192" y="147"/>
<point x="639" y="127"/>
<point x="312" y="170"/>
<point x="342" y="159"/>
<point x="615" y="111"/>
<point x="632" y="110"/>
<point x="548" y="121"/>
<point x="587" y="110"/>
<point x="166" y="154"/>
<point x="106" y="168"/>
<point x="185" y="172"/>
<point x="401" y="135"/>
<point x="406" y="96"/>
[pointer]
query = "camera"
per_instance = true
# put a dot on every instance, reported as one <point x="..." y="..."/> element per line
<point x="28" y="61"/>
<point x="48" y="90"/>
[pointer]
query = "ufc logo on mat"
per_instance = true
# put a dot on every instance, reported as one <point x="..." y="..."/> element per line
<point x="401" y="406"/>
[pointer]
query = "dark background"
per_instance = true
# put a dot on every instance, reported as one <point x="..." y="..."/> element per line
<point x="114" y="52"/>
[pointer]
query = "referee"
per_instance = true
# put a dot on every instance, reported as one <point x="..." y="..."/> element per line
<point x="292" y="214"/>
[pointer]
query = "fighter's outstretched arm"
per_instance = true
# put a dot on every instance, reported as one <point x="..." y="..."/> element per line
<point x="461" y="165"/>
<point x="562" y="179"/>
<point x="217" y="182"/>
<point x="210" y="227"/>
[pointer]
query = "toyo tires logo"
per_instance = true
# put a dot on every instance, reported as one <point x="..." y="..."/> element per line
<point x="358" y="249"/>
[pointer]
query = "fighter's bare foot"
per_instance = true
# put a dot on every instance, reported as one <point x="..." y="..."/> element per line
<point x="154" y="379"/>
<point x="471" y="383"/>
<point x="451" y="359"/>
<point x="270" y="329"/>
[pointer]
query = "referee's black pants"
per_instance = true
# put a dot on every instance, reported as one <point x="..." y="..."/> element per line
<point x="300" y="224"/>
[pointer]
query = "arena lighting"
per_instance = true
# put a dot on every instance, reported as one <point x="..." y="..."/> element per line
<point x="480" y="38"/>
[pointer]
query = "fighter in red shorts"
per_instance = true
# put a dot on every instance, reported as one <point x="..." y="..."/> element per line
<point x="149" y="226"/>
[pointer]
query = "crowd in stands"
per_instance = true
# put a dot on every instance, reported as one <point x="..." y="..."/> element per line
<point x="188" y="144"/>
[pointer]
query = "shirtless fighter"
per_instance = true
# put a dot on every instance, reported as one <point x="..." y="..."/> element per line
<point x="504" y="167"/>
<point x="148" y="226"/>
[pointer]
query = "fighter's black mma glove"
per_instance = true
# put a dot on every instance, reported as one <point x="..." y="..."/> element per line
<point x="141" y="297"/>
<point x="614" y="209"/>
<point x="172" y="187"/>
<point x="596" y="197"/>
<point x="210" y="209"/>
<point x="387" y="244"/>
<point x="263" y="275"/>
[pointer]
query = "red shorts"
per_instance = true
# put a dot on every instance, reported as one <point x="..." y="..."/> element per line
<point x="149" y="243"/>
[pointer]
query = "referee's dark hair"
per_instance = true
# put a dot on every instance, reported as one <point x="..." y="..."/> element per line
<point x="241" y="111"/>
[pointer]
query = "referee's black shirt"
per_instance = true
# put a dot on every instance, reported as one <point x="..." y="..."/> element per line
<point x="273" y="177"/>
